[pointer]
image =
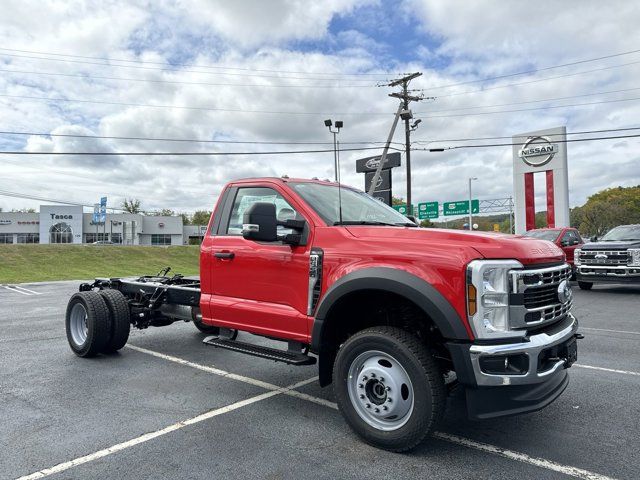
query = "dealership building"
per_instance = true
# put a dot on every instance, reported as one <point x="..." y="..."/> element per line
<point x="69" y="224"/>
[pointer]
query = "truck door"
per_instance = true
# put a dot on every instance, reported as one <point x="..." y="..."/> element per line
<point x="260" y="287"/>
<point x="569" y="242"/>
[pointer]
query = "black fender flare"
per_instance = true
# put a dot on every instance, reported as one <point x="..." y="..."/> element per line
<point x="400" y="282"/>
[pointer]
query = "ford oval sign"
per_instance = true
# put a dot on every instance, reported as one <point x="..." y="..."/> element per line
<point x="537" y="151"/>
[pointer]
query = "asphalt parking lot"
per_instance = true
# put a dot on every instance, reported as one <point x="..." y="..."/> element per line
<point x="167" y="406"/>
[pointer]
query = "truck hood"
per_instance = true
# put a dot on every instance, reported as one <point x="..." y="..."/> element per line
<point x="611" y="245"/>
<point x="488" y="244"/>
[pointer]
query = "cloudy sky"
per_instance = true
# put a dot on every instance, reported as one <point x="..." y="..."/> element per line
<point x="272" y="71"/>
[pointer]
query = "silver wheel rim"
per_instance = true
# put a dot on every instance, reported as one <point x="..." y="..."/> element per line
<point x="380" y="390"/>
<point x="78" y="324"/>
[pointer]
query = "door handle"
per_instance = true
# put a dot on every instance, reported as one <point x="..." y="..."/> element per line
<point x="224" y="255"/>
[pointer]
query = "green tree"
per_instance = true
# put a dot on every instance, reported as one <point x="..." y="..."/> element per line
<point x="132" y="205"/>
<point x="165" y="212"/>
<point x="607" y="209"/>
<point x="186" y="219"/>
<point x="201" y="217"/>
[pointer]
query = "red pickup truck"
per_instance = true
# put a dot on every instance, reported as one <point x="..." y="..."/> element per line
<point x="395" y="315"/>
<point x="567" y="238"/>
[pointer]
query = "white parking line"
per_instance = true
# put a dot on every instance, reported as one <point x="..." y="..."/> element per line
<point x="26" y="290"/>
<point x="61" y="467"/>
<point x="7" y="287"/>
<point x="233" y="376"/>
<point x="510" y="454"/>
<point x="602" y="369"/>
<point x="610" y="331"/>
<point x="522" y="457"/>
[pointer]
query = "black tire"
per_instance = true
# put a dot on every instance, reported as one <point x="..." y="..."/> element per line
<point x="120" y="319"/>
<point x="208" y="329"/>
<point x="429" y="393"/>
<point x="585" y="285"/>
<point x="97" y="331"/>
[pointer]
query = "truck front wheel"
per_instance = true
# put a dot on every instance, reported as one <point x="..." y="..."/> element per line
<point x="87" y="323"/>
<point x="389" y="388"/>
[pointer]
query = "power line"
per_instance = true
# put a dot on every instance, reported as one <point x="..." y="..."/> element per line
<point x="217" y="67"/>
<point x="172" y="70"/>
<point x="531" y="101"/>
<point x="189" y="140"/>
<point x="482" y="90"/>
<point x="270" y="112"/>
<point x="188" y="154"/>
<point x="179" y="82"/>
<point x="536" y="70"/>
<point x="584" y="132"/>
<point x="183" y="107"/>
<point x="489" y="145"/>
<point x="535" y="108"/>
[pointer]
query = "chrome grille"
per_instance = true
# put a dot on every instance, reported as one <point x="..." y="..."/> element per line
<point x="603" y="257"/>
<point x="534" y="299"/>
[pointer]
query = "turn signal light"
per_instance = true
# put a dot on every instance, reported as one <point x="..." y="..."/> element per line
<point x="472" y="305"/>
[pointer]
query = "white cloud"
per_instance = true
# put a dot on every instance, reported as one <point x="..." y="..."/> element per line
<point x="472" y="40"/>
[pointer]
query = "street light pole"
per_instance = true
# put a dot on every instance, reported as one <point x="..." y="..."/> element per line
<point x="470" y="204"/>
<point x="339" y="124"/>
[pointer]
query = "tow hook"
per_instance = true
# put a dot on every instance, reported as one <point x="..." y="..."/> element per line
<point x="578" y="336"/>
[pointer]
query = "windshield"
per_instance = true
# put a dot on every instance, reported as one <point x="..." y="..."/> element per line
<point x="358" y="208"/>
<point x="625" y="232"/>
<point x="550" y="235"/>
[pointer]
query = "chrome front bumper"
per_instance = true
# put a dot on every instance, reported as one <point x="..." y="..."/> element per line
<point x="532" y="348"/>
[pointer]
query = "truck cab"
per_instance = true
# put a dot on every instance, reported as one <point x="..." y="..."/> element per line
<point x="567" y="238"/>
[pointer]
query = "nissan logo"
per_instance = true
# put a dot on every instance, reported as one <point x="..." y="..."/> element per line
<point x="564" y="292"/>
<point x="539" y="153"/>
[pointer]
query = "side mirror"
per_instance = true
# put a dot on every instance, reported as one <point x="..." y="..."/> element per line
<point x="594" y="238"/>
<point x="260" y="222"/>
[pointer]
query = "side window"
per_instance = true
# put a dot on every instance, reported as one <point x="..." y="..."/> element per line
<point x="569" y="237"/>
<point x="247" y="197"/>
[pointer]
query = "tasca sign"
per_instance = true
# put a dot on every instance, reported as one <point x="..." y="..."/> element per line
<point x="538" y="151"/>
<point x="370" y="164"/>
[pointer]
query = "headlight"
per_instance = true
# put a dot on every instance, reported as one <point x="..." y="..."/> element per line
<point x="488" y="297"/>
<point x="634" y="257"/>
<point x="576" y="256"/>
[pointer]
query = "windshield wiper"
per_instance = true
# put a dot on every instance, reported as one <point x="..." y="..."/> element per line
<point x="365" y="222"/>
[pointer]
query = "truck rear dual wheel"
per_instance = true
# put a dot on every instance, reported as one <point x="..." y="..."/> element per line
<point x="389" y="388"/>
<point x="120" y="319"/>
<point x="88" y="324"/>
<point x="585" y="285"/>
<point x="97" y="322"/>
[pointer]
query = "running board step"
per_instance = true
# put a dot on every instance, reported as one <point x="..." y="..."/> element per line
<point x="290" y="357"/>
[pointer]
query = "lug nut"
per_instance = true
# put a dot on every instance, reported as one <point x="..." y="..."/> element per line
<point x="360" y="385"/>
<point x="382" y="379"/>
<point x="377" y="410"/>
<point x="389" y="400"/>
<point x="365" y="378"/>
<point x="362" y="396"/>
<point x="388" y="389"/>
<point x="368" y="405"/>
<point x="373" y="375"/>
<point x="385" y="408"/>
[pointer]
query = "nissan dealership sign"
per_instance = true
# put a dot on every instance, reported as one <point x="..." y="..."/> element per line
<point x="538" y="151"/>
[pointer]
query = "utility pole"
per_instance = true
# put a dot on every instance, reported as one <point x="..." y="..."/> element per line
<point x="406" y="115"/>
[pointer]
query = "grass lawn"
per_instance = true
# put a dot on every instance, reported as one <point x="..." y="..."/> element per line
<point x="37" y="263"/>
